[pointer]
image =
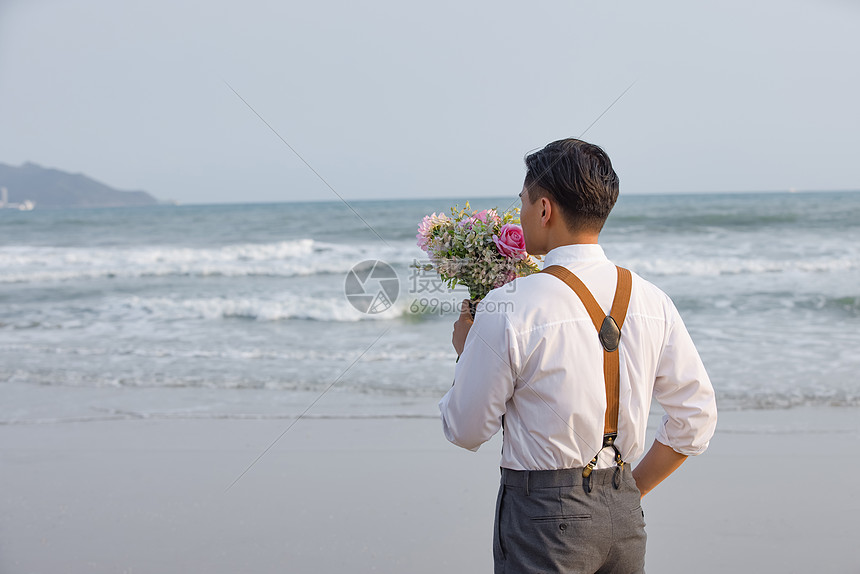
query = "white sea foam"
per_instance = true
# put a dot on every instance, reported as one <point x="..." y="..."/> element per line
<point x="248" y="354"/>
<point x="299" y="257"/>
<point x="288" y="307"/>
<point x="305" y="257"/>
<point x="739" y="265"/>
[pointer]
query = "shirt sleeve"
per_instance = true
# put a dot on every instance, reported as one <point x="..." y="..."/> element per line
<point x="684" y="390"/>
<point x="484" y="378"/>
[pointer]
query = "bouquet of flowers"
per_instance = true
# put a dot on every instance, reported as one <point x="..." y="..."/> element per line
<point x="482" y="250"/>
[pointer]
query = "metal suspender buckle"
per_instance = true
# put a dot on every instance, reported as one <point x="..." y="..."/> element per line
<point x="609" y="334"/>
<point x="586" y="474"/>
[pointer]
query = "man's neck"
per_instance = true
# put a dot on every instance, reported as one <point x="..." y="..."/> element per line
<point x="571" y="239"/>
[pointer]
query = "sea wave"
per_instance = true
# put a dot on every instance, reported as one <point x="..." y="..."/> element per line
<point x="774" y="305"/>
<point x="362" y="382"/>
<point x="308" y="257"/>
<point x="253" y="354"/>
<point x="290" y="307"/>
<point x="124" y="415"/>
<point x="392" y="385"/>
<point x="300" y="257"/>
<point x="739" y="265"/>
<point x="140" y="310"/>
<point x="758" y="399"/>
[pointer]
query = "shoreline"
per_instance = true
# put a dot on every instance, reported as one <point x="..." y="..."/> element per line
<point x="30" y="404"/>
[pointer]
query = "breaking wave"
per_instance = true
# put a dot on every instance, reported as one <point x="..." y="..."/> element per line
<point x="739" y="265"/>
<point x="301" y="257"/>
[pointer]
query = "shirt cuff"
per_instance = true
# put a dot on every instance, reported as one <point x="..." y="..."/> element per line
<point x="663" y="438"/>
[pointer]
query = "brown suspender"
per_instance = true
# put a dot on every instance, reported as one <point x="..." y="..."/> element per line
<point x="609" y="332"/>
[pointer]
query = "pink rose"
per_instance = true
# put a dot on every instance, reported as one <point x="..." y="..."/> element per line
<point x="510" y="241"/>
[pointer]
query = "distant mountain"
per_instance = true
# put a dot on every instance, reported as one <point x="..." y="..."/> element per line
<point x="52" y="188"/>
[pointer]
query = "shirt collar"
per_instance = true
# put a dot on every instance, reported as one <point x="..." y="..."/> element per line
<point x="571" y="253"/>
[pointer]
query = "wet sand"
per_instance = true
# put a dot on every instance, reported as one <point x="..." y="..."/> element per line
<point x="391" y="495"/>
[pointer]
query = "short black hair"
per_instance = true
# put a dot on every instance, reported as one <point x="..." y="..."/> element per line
<point x="579" y="177"/>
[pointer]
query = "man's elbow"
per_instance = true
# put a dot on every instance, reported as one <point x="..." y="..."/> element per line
<point x="462" y="435"/>
<point x="683" y="449"/>
<point x="460" y="438"/>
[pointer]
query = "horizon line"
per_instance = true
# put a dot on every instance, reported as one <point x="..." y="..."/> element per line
<point x="171" y="202"/>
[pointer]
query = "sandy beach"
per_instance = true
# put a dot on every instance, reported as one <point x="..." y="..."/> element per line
<point x="391" y="495"/>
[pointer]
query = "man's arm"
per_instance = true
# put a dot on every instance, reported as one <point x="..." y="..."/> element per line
<point x="461" y="328"/>
<point x="685" y="392"/>
<point x="483" y="378"/>
<point x="659" y="463"/>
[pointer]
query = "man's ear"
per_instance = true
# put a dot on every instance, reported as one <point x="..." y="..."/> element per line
<point x="546" y="211"/>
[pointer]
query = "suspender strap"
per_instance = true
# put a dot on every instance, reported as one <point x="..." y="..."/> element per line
<point x="608" y="329"/>
<point x="609" y="332"/>
<point x="611" y="369"/>
<point x="594" y="311"/>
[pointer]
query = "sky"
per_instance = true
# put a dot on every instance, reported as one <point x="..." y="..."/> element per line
<point x="443" y="99"/>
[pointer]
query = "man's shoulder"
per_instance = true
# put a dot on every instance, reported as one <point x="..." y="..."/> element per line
<point x="538" y="283"/>
<point x="650" y="299"/>
<point x="522" y="297"/>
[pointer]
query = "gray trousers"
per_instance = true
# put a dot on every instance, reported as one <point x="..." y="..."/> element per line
<point x="547" y="522"/>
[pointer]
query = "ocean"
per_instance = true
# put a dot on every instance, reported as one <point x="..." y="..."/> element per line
<point x="241" y="310"/>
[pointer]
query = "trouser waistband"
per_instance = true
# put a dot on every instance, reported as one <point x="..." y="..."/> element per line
<point x="562" y="477"/>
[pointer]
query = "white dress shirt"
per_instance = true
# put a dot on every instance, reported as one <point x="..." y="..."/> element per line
<point x="533" y="355"/>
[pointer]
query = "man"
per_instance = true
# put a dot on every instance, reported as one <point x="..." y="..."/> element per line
<point x="568" y="501"/>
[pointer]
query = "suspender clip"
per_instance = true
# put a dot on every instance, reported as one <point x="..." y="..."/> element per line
<point x="586" y="472"/>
